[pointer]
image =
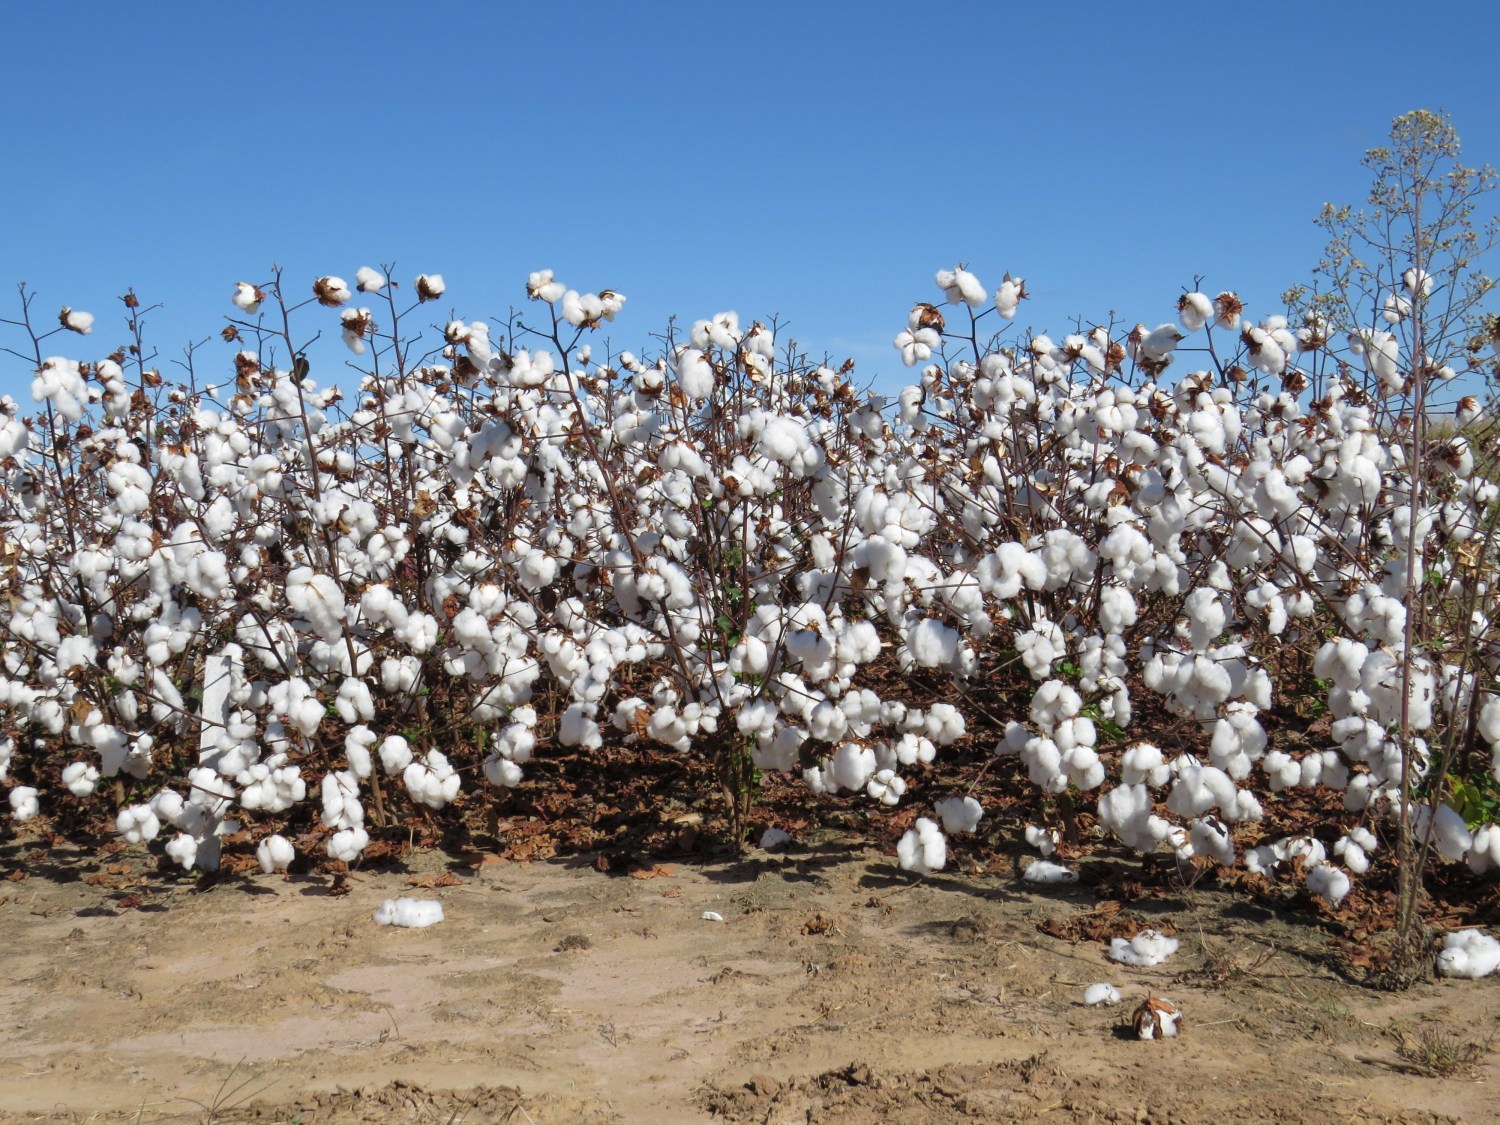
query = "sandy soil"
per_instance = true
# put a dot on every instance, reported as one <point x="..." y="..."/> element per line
<point x="835" y="990"/>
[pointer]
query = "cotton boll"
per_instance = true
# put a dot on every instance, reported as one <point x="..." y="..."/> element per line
<point x="774" y="838"/>
<point x="959" y="814"/>
<point x="137" y="824"/>
<point x="23" y="803"/>
<point x="1449" y="832"/>
<point x="347" y="844"/>
<point x="1044" y="871"/>
<point x="1194" y="310"/>
<point x="76" y="320"/>
<point x="1156" y="1018"/>
<point x="1468" y="954"/>
<point x="1328" y="883"/>
<point x="853" y="765"/>
<point x="1484" y="854"/>
<point x="368" y="280"/>
<point x="886" y="787"/>
<point x="923" y="849"/>
<point x="1042" y="839"/>
<point x="247" y="298"/>
<point x="182" y="849"/>
<point x="395" y="754"/>
<point x="80" y="778"/>
<point x="412" y="913"/>
<point x="961" y="285"/>
<point x="1102" y="994"/>
<point x="1147" y="948"/>
<point x="932" y="644"/>
<point x="275" y="853"/>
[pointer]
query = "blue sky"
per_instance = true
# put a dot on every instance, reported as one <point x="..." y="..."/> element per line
<point x="816" y="161"/>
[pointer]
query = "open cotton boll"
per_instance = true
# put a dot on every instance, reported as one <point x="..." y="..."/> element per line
<point x="1449" y="832"/>
<point x="1156" y="1018"/>
<point x="1045" y="872"/>
<point x="923" y="849"/>
<point x="1043" y="840"/>
<point x="961" y="285"/>
<point x="1468" y="954"/>
<point x="347" y="844"/>
<point x="137" y="824"/>
<point x="1328" y="883"/>
<point x="413" y="913"/>
<point x="275" y="853"/>
<point x="1147" y="948"/>
<point x="23" y="803"/>
<point x="959" y="814"/>
<point x="80" y="778"/>
<point x="774" y="838"/>
<point x="885" y="787"/>
<point x="1096" y="995"/>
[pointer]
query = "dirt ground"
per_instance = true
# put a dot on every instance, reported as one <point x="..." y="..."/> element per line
<point x="836" y="989"/>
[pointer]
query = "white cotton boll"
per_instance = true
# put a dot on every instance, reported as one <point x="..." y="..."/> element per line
<point x="1355" y="858"/>
<point x="932" y="644"/>
<point x="1009" y="296"/>
<point x="961" y="285"/>
<point x="887" y="788"/>
<point x="275" y="853"/>
<point x="182" y="849"/>
<point x="357" y="745"/>
<point x="433" y="781"/>
<point x="1042" y="839"/>
<point x="347" y="844"/>
<point x="137" y="824"/>
<point x="1147" y="948"/>
<point x="1100" y="995"/>
<point x="774" y="838"/>
<point x="502" y="773"/>
<point x="23" y="803"/>
<point x="80" y="778"/>
<point x="1468" y="954"/>
<point x="1144" y="763"/>
<point x="1194" y="310"/>
<point x="959" y="814"/>
<point x="1045" y="872"/>
<point x="695" y="374"/>
<point x="1484" y="854"/>
<point x="354" y="703"/>
<point x="247" y="298"/>
<point x="430" y="286"/>
<point x="1449" y="832"/>
<point x="923" y="849"/>
<point x="1417" y="283"/>
<point x="395" y="754"/>
<point x="853" y="765"/>
<point x="76" y="320"/>
<point x="368" y="280"/>
<point x="413" y="913"/>
<point x="1328" y="883"/>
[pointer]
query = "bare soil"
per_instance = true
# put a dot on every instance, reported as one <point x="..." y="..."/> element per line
<point x="837" y="989"/>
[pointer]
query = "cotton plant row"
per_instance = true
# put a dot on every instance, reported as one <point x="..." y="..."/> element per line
<point x="230" y="600"/>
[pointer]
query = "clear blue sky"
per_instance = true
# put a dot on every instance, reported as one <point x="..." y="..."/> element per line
<point x="817" y="161"/>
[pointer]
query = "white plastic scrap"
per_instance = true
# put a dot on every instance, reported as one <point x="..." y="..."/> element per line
<point x="415" y="913"/>
<point x="1145" y="949"/>
<point x="774" y="838"/>
<point x="1103" y="993"/>
<point x="1469" y="954"/>
<point x="712" y="916"/>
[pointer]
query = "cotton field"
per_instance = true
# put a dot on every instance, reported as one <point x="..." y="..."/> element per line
<point x="254" y="598"/>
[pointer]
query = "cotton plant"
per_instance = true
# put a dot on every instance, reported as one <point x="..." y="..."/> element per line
<point x="526" y="515"/>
